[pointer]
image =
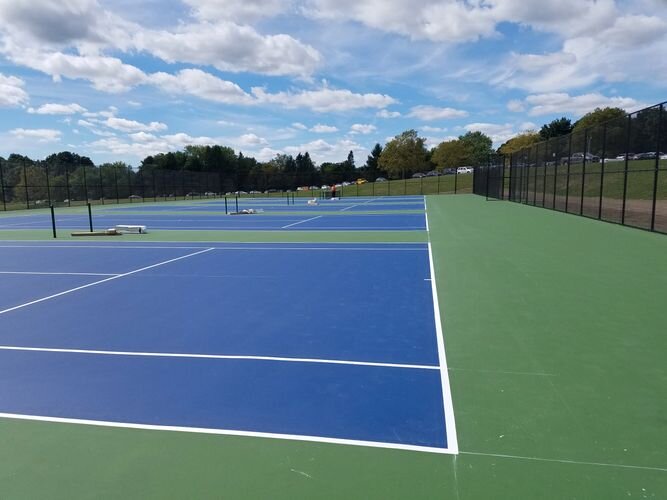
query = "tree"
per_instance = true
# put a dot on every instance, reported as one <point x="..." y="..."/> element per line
<point x="518" y="142"/>
<point x="450" y="154"/>
<point x="404" y="155"/>
<point x="557" y="128"/>
<point x="350" y="159"/>
<point x="599" y="115"/>
<point x="479" y="147"/>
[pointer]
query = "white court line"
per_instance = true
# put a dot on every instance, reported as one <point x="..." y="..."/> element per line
<point x="419" y="246"/>
<point x="102" y="281"/>
<point x="564" y="461"/>
<point x="220" y="356"/>
<point x="300" y="222"/>
<point x="359" y="204"/>
<point x="450" y="423"/>
<point x="43" y="273"/>
<point x="228" y="432"/>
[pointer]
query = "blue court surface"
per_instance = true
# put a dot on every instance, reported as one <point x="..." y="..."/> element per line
<point x="298" y="341"/>
<point x="270" y="217"/>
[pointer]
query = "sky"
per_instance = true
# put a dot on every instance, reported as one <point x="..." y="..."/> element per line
<point x="117" y="80"/>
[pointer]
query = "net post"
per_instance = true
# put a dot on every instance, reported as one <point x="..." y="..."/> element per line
<point x="237" y="203"/>
<point x="226" y="212"/>
<point x="53" y="221"/>
<point x="90" y="217"/>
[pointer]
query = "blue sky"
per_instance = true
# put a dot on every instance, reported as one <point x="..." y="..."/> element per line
<point x="121" y="79"/>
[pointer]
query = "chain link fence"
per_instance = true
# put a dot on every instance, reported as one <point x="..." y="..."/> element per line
<point x="615" y="171"/>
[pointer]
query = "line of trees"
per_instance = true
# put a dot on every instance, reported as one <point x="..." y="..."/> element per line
<point x="219" y="168"/>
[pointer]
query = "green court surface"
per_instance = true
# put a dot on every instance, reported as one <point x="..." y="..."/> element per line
<point x="554" y="328"/>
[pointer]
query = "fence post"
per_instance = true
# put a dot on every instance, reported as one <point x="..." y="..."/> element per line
<point x="154" y="187"/>
<point x="2" y="189"/>
<point x="657" y="166"/>
<point x="85" y="183"/>
<point x="25" y="182"/>
<point x="456" y="180"/>
<point x="583" y="173"/>
<point x="115" y="178"/>
<point x="567" y="184"/>
<point x="130" y="191"/>
<point x="625" y="170"/>
<point x="604" y="154"/>
<point x="69" y="194"/>
<point x="48" y="183"/>
<point x="101" y="186"/>
<point x="553" y="202"/>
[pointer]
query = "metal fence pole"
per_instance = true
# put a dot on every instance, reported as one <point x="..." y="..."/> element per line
<point x="604" y="154"/>
<point x="154" y="187"/>
<point x="583" y="173"/>
<point x="2" y="189"/>
<point x="456" y="180"/>
<point x="90" y="218"/>
<point x="48" y="183"/>
<point x="657" y="166"/>
<point x="69" y="195"/>
<point x="25" y="182"/>
<point x="101" y="185"/>
<point x="85" y="183"/>
<point x="567" y="184"/>
<point x="553" y="202"/>
<point x="115" y="178"/>
<point x="625" y="170"/>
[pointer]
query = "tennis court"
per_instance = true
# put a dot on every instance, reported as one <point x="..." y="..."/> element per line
<point x="367" y="214"/>
<point x="311" y="364"/>
<point x="229" y="321"/>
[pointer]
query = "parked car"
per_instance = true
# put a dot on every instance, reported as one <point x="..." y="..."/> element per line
<point x="449" y="171"/>
<point x="432" y="173"/>
<point x="418" y="175"/>
<point x="579" y="158"/>
<point x="464" y="170"/>
<point x="652" y="155"/>
<point x="380" y="179"/>
<point x="132" y="197"/>
<point x="361" y="181"/>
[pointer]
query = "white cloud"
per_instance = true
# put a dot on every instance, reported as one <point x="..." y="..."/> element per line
<point x="252" y="140"/>
<point x="499" y="132"/>
<point x="38" y="134"/>
<point x="429" y="113"/>
<point x="58" y="109"/>
<point x="299" y="126"/>
<point x="360" y="128"/>
<point x="627" y="49"/>
<point x="323" y="129"/>
<point x="323" y="151"/>
<point x="383" y="113"/>
<point x="237" y="10"/>
<point x="201" y="84"/>
<point x="457" y="21"/>
<point x="324" y="99"/>
<point x="125" y="125"/>
<point x="144" y="144"/>
<point x="562" y="103"/>
<point x="230" y="47"/>
<point x="429" y="129"/>
<point x="516" y="106"/>
<point x="11" y="92"/>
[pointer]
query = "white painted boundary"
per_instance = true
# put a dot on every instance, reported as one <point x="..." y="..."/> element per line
<point x="115" y="277"/>
<point x="228" y="432"/>
<point x="44" y="273"/>
<point x="300" y="222"/>
<point x="220" y="356"/>
<point x="450" y="422"/>
<point x="359" y="204"/>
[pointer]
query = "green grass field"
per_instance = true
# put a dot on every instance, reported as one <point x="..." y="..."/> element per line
<point x="555" y="334"/>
